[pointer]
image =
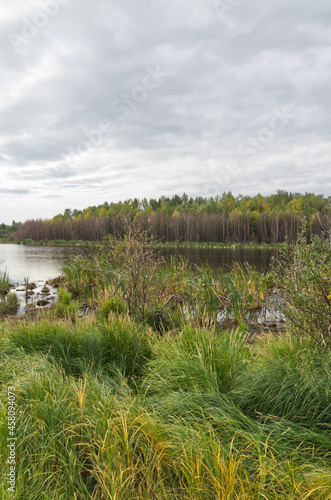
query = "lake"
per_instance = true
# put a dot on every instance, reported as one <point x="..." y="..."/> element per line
<point x="45" y="262"/>
<point x="34" y="262"/>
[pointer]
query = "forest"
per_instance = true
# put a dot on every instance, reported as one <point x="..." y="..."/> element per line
<point x="220" y="219"/>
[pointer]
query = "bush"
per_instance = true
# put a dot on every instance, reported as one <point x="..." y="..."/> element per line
<point x="134" y="264"/>
<point x="305" y="281"/>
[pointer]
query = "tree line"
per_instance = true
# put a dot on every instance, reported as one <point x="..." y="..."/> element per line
<point x="8" y="230"/>
<point x="222" y="219"/>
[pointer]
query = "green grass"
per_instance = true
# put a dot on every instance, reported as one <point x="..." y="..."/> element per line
<point x="198" y="361"/>
<point x="120" y="346"/>
<point x="288" y="379"/>
<point x="86" y="276"/>
<point x="8" y="301"/>
<point x="107" y="409"/>
<point x="5" y="284"/>
<point x="8" y="305"/>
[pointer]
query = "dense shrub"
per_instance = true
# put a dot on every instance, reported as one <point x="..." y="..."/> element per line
<point x="306" y="283"/>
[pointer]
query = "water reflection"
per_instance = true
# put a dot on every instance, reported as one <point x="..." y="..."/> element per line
<point x="225" y="257"/>
<point x="33" y="262"/>
<point x="45" y="262"/>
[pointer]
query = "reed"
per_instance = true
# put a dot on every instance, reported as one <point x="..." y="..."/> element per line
<point x="8" y="301"/>
<point x="86" y="276"/>
<point x="5" y="284"/>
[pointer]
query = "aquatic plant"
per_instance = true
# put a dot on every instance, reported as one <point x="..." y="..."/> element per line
<point x="86" y="276"/>
<point x="8" y="305"/>
<point x="65" y="307"/>
<point x="5" y="284"/>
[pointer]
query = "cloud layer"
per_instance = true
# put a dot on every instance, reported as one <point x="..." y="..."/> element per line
<point x="102" y="101"/>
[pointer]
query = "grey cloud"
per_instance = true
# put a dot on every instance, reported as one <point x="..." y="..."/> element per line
<point x="225" y="80"/>
<point x="14" y="192"/>
<point x="60" y="172"/>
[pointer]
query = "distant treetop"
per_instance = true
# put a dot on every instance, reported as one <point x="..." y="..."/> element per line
<point x="281" y="202"/>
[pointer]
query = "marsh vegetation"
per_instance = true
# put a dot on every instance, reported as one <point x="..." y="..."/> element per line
<point x="149" y="396"/>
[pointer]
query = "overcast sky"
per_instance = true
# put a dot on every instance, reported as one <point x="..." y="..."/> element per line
<point x="104" y="101"/>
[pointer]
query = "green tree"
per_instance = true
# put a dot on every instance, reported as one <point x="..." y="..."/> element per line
<point x="67" y="214"/>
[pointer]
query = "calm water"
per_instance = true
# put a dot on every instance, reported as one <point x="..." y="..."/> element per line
<point x="43" y="263"/>
<point x="35" y="263"/>
<point x="225" y="257"/>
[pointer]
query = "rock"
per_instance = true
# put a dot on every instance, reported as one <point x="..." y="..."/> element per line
<point x="56" y="282"/>
<point x="42" y="303"/>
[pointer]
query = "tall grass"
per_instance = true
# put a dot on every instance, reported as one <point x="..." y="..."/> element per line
<point x="289" y="379"/>
<point x="198" y="360"/>
<point x="4" y="282"/>
<point x="121" y="346"/>
<point x="86" y="276"/>
<point x="203" y="300"/>
<point x="237" y="292"/>
<point x="109" y="410"/>
<point x="254" y="285"/>
<point x="8" y="301"/>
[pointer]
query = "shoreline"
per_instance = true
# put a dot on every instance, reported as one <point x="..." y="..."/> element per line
<point x="172" y="244"/>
